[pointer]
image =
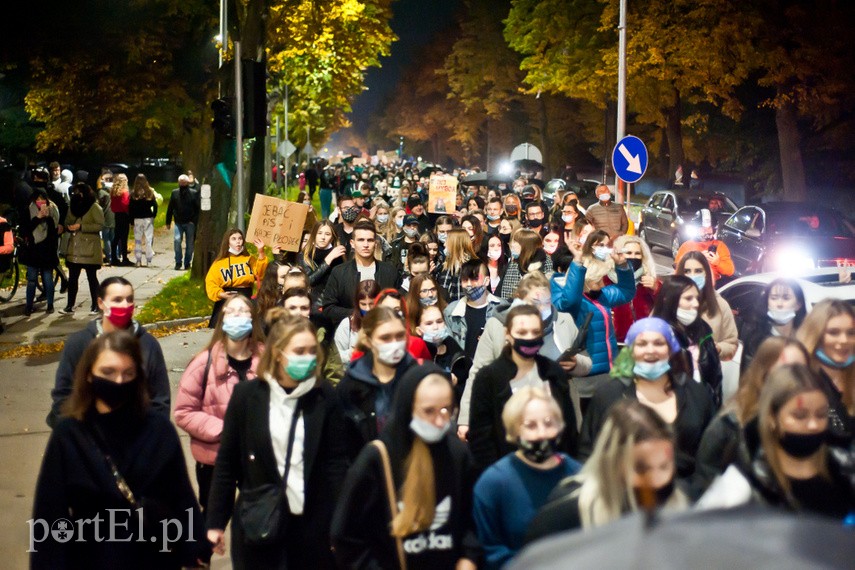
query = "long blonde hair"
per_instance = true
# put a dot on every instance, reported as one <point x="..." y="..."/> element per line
<point x="810" y="334"/>
<point x="120" y="185"/>
<point x="459" y="250"/>
<point x="309" y="250"/>
<point x="418" y="491"/>
<point x="605" y="477"/>
<point x="647" y="261"/>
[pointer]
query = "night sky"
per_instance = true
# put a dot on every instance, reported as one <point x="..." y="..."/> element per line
<point x="415" y="22"/>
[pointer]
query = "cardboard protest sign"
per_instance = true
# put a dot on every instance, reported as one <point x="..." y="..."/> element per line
<point x="277" y="222"/>
<point x="442" y="194"/>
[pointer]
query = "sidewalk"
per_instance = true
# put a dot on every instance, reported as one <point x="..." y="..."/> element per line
<point x="44" y="328"/>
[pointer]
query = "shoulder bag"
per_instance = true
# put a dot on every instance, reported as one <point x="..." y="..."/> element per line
<point x="390" y="494"/>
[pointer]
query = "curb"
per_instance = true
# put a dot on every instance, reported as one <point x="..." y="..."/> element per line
<point x="174" y="323"/>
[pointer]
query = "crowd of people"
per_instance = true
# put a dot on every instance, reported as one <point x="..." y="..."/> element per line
<point x="438" y="390"/>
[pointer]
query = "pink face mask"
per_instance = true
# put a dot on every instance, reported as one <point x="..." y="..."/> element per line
<point x="120" y="317"/>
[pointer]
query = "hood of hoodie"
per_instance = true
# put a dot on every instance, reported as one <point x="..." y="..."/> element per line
<point x="66" y="176"/>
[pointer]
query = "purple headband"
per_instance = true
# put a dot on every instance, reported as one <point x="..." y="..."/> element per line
<point x="653" y="324"/>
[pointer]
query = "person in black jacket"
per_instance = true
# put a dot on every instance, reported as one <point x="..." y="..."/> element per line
<point x="432" y="479"/>
<point x="116" y="300"/>
<point x="779" y="312"/>
<point x="281" y="432"/>
<point x="677" y="303"/>
<point x="519" y="365"/>
<point x="39" y="250"/>
<point x="370" y="382"/>
<point x="337" y="299"/>
<point x="651" y="370"/>
<point x="184" y="207"/>
<point x="107" y="458"/>
<point x="321" y="255"/>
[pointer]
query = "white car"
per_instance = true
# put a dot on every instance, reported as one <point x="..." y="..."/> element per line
<point x="744" y="293"/>
<point x="817" y="284"/>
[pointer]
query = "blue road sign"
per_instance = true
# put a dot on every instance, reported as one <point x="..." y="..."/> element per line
<point x="629" y="159"/>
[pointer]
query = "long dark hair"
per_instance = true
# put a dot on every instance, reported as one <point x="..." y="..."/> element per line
<point x="709" y="303"/>
<point x="224" y="245"/>
<point x="81" y="403"/>
<point x="368" y="289"/>
<point x="668" y="299"/>
<point x="761" y="308"/>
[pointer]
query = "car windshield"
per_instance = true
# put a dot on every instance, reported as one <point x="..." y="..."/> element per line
<point x="804" y="222"/>
<point x="714" y="204"/>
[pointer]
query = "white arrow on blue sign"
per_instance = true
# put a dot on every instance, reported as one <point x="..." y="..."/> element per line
<point x="629" y="159"/>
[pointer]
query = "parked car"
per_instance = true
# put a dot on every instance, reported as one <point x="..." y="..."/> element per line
<point x="817" y="284"/>
<point x="671" y="216"/>
<point x="788" y="237"/>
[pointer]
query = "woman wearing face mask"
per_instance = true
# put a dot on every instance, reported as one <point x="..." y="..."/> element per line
<point x="234" y="272"/>
<point x="510" y="492"/>
<point x="109" y="455"/>
<point x="496" y="256"/>
<point x="120" y="200"/>
<point x="458" y="250"/>
<point x="713" y="308"/>
<point x="281" y="447"/>
<point x="321" y="254"/>
<point x="39" y="250"/>
<point x="84" y="221"/>
<point x="651" y="370"/>
<point x="513" y="206"/>
<point x="347" y="331"/>
<point x="553" y="243"/>
<point x="582" y="292"/>
<point x="795" y="467"/>
<point x="734" y="429"/>
<point x="640" y="259"/>
<point x="632" y="467"/>
<point x="424" y="292"/>
<point x="527" y="256"/>
<point x="507" y="227"/>
<point x="393" y="299"/>
<point x="559" y="334"/>
<point x="519" y="365"/>
<point x="828" y="333"/>
<point x="444" y="350"/>
<point x="678" y="304"/>
<point x="208" y="381"/>
<point x="369" y="384"/>
<point x="395" y="226"/>
<point x="779" y="312"/>
<point x="432" y="476"/>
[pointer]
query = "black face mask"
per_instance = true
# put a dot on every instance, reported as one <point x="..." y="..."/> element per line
<point x="634" y="263"/>
<point x="511" y="210"/>
<point x="528" y="347"/>
<point x="539" y="450"/>
<point x="801" y="445"/>
<point x="594" y="294"/>
<point x="535" y="222"/>
<point x="660" y="495"/>
<point x="111" y="393"/>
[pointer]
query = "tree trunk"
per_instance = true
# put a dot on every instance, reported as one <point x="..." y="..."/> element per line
<point x="545" y="148"/>
<point x="674" y="133"/>
<point x="789" y="147"/>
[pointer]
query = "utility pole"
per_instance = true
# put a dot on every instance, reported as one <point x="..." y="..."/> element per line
<point x="621" y="98"/>
<point x="287" y="169"/>
<point x="239" y="175"/>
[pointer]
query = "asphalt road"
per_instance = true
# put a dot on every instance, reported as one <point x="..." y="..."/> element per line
<point x="25" y="385"/>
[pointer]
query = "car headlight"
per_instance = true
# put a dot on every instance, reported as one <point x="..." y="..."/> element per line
<point x="791" y="260"/>
<point x="691" y="231"/>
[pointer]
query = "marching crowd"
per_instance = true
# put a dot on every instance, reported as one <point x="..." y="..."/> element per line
<point x="437" y="390"/>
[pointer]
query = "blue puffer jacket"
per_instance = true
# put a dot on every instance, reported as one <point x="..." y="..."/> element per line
<point x="567" y="296"/>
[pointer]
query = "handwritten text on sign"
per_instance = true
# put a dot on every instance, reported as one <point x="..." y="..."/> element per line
<point x="442" y="194"/>
<point x="276" y="222"/>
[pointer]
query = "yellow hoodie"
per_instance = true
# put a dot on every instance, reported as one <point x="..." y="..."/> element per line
<point x="233" y="271"/>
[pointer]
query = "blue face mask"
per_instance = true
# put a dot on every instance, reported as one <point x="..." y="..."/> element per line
<point x="825" y="359"/>
<point x="301" y="366"/>
<point x="700" y="280"/>
<point x="651" y="370"/>
<point x="437" y="336"/>
<point x="237" y="327"/>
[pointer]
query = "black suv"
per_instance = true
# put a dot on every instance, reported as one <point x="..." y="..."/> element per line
<point x="670" y="216"/>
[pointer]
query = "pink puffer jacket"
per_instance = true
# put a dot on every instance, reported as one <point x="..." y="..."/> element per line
<point x="203" y="420"/>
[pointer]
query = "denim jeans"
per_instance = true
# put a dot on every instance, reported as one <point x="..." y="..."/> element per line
<point x="47" y="281"/>
<point x="188" y="230"/>
<point x="107" y="236"/>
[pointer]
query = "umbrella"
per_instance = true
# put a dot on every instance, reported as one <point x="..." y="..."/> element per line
<point x="429" y="169"/>
<point x="485" y="179"/>
<point x="749" y="537"/>
<point x="536" y="182"/>
<point x="527" y="165"/>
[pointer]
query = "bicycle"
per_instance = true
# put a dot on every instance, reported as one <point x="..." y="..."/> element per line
<point x="9" y="272"/>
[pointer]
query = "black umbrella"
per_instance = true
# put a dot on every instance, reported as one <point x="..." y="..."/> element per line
<point x="537" y="182"/>
<point x="492" y="179"/>
<point x="429" y="169"/>
<point x="527" y="165"/>
<point x="750" y="537"/>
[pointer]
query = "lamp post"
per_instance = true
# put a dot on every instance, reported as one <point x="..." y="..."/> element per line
<point x="621" y="98"/>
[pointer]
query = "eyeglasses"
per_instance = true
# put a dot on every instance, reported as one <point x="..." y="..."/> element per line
<point x="428" y="291"/>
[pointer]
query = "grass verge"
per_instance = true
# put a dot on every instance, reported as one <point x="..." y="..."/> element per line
<point x="180" y="298"/>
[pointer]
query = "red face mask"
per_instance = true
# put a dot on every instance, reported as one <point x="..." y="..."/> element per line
<point x="120" y="317"/>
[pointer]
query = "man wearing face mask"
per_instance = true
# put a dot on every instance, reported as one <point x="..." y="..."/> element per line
<point x="493" y="211"/>
<point x="116" y="300"/>
<point x="400" y="246"/>
<point x="467" y="316"/>
<point x="606" y="215"/>
<point x="348" y="212"/>
<point x="535" y="218"/>
<point x="716" y="252"/>
<point x="417" y="209"/>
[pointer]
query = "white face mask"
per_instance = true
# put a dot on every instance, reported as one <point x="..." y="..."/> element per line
<point x="494" y="254"/>
<point x="383" y="218"/>
<point x="687" y="316"/>
<point x="604" y="197"/>
<point x="602" y="252"/>
<point x="427" y="431"/>
<point x="391" y="353"/>
<point x="781" y="317"/>
<point x="234" y="251"/>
